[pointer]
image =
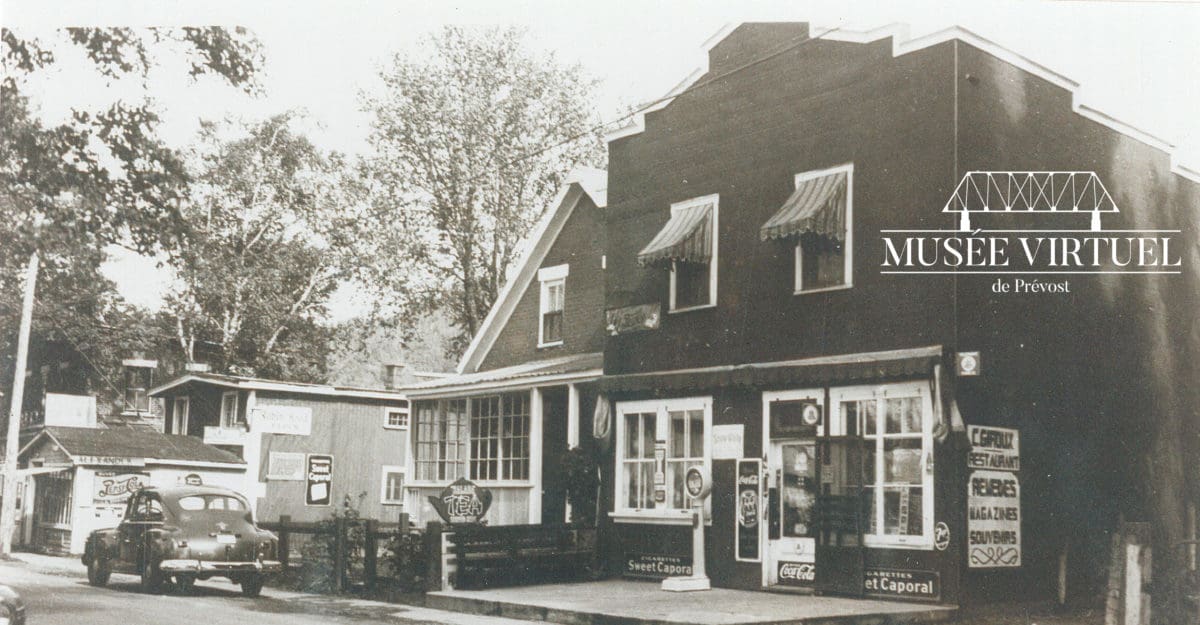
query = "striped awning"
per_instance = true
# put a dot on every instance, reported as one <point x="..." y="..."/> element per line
<point x="686" y="237"/>
<point x="818" y="205"/>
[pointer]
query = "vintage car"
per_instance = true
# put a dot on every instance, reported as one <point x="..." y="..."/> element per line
<point x="186" y="533"/>
<point x="12" y="608"/>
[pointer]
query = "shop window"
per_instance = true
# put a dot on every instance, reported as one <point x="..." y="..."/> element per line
<point x="395" y="418"/>
<point x="230" y="417"/>
<point x="553" y="281"/>
<point x="681" y="428"/>
<point x="483" y="438"/>
<point x="393" y="486"/>
<point x="895" y="424"/>
<point x="138" y="381"/>
<point x="54" y="494"/>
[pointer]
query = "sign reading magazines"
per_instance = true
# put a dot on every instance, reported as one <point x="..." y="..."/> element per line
<point x="749" y="496"/>
<point x="112" y="487"/>
<point x="318" y="490"/>
<point x="993" y="498"/>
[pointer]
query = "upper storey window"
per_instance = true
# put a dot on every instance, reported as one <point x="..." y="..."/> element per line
<point x="553" y="282"/>
<point x="817" y="217"/>
<point x="687" y="245"/>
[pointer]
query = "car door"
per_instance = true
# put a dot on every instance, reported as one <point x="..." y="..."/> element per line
<point x="129" y="532"/>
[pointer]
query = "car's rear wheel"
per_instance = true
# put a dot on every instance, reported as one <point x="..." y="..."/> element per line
<point x="185" y="584"/>
<point x="252" y="585"/>
<point x="152" y="577"/>
<point x="98" y="571"/>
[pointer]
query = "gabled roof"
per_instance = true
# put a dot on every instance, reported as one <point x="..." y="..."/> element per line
<point x="260" y="384"/>
<point x="132" y="443"/>
<point x="903" y="43"/>
<point x="575" y="367"/>
<point x="582" y="181"/>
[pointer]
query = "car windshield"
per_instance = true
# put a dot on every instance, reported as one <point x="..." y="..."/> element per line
<point x="210" y="502"/>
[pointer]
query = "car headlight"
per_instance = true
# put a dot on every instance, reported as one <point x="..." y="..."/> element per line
<point x="266" y="550"/>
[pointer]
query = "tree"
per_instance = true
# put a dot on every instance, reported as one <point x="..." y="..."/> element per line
<point x="74" y="187"/>
<point x="267" y="239"/>
<point x="470" y="143"/>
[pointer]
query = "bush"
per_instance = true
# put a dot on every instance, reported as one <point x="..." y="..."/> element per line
<point x="317" y="572"/>
<point x="406" y="560"/>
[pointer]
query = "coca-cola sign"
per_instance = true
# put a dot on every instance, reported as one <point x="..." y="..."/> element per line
<point x="111" y="487"/>
<point x="797" y="573"/>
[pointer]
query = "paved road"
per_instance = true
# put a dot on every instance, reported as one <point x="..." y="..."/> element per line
<point x="63" y="600"/>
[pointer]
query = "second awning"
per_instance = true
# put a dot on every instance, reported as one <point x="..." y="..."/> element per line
<point x="818" y="205"/>
<point x="686" y="237"/>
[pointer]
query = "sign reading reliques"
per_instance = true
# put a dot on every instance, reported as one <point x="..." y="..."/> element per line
<point x="462" y="502"/>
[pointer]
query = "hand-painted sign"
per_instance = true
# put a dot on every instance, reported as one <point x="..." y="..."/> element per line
<point x="998" y="449"/>
<point x="462" y="502"/>
<point x="749" y="498"/>
<point x="285" y="466"/>
<point x="902" y="583"/>
<point x="632" y="319"/>
<point x="993" y="520"/>
<point x="796" y="573"/>
<point x="112" y="461"/>
<point x="296" y="420"/>
<point x="318" y="490"/>
<point x="728" y="441"/>
<point x="110" y="487"/>
<point x="655" y="566"/>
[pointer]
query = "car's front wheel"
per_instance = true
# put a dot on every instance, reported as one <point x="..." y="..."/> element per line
<point x="252" y="585"/>
<point x="152" y="577"/>
<point x="98" y="571"/>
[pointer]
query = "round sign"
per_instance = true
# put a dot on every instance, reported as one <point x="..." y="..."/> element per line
<point x="941" y="536"/>
<point x="697" y="482"/>
<point x="811" y="414"/>
<point x="967" y="363"/>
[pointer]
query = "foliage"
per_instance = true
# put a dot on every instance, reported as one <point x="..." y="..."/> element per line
<point x="73" y="187"/>
<point x="318" y="571"/>
<point x="406" y="561"/>
<point x="470" y="143"/>
<point x="581" y="474"/>
<point x="268" y="235"/>
<point x="362" y="348"/>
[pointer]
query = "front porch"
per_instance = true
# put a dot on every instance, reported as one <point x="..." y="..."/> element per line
<point x="625" y="602"/>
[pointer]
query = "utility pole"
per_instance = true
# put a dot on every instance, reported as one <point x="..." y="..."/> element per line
<point x="8" y="510"/>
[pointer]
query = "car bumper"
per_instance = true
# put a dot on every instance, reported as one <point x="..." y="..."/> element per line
<point x="214" y="566"/>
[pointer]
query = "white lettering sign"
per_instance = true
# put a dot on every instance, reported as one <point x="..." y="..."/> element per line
<point x="993" y="520"/>
<point x="282" y="419"/>
<point x="997" y="449"/>
<point x="727" y="441"/>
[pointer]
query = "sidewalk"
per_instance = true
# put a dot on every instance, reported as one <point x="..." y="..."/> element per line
<point x="624" y="602"/>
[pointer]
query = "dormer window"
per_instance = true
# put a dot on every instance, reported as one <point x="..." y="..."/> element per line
<point x="553" y="291"/>
<point x="816" y="219"/>
<point x="687" y="246"/>
<point x="139" y="377"/>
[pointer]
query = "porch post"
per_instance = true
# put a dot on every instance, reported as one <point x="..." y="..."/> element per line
<point x="572" y="430"/>
<point x="535" y="454"/>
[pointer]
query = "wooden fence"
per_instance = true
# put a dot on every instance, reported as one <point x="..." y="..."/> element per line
<point x="374" y="535"/>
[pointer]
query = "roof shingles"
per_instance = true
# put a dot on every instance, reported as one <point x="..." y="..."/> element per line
<point x="137" y="443"/>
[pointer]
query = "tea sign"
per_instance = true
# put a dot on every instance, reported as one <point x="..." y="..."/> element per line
<point x="462" y="502"/>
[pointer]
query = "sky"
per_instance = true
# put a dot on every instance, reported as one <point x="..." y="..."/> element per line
<point x="1136" y="61"/>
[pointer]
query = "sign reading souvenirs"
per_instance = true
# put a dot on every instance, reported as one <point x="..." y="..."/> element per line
<point x="727" y="441"/>
<point x="993" y="520"/>
<point x="462" y="502"/>
<point x="318" y="490"/>
<point x="792" y="418"/>
<point x="749" y="496"/>
<point x="655" y="566"/>
<point x="111" y="487"/>
<point x="295" y="420"/>
<point x="796" y="573"/>
<point x="902" y="583"/>
<point x="632" y="319"/>
<point x="998" y="449"/>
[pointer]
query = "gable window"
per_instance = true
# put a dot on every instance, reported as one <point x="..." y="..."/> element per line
<point x="179" y="415"/>
<point x="552" y="300"/>
<point x="392" y="484"/>
<point x="687" y="247"/>
<point x="395" y="418"/>
<point x="139" y="377"/>
<point x="895" y="422"/>
<point x="816" y="219"/>
<point x="680" y="429"/>
<point x="229" y="411"/>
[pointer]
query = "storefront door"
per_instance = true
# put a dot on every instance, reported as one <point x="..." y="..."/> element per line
<point x="840" y="514"/>
<point x="792" y="497"/>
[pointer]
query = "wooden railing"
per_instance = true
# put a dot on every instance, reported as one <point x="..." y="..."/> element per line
<point x="375" y="534"/>
<point x="514" y="555"/>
